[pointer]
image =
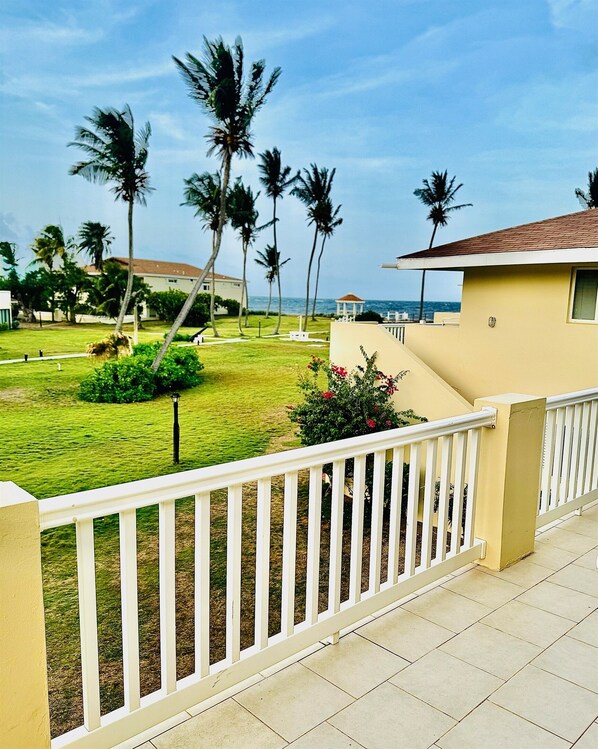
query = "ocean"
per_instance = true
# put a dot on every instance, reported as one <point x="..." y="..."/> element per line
<point x="296" y="306"/>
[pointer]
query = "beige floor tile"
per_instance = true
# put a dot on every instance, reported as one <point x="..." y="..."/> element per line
<point x="485" y="589"/>
<point x="582" y="524"/>
<point x="406" y="634"/>
<point x="281" y="665"/>
<point x="447" y="609"/>
<point x="587" y="630"/>
<point x="548" y="701"/>
<point x="577" y="578"/>
<point x="389" y="717"/>
<point x="560" y="601"/>
<point x="591" y="512"/>
<point x="551" y="557"/>
<point x="528" y="623"/>
<point x="567" y="540"/>
<point x="447" y="683"/>
<point x="491" y="727"/>
<point x="525" y="573"/>
<point x="355" y="664"/>
<point x="324" y="736"/>
<point x="590" y="738"/>
<point x="587" y="560"/>
<point x="227" y="726"/>
<point x="138" y="741"/>
<point x="201" y="707"/>
<point x="293" y="701"/>
<point x="491" y="650"/>
<point x="571" y="660"/>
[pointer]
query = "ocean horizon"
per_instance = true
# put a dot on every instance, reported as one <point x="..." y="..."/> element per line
<point x="327" y="306"/>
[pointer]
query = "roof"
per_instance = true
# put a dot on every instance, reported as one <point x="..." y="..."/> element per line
<point x="161" y="268"/>
<point x="572" y="238"/>
<point x="349" y="298"/>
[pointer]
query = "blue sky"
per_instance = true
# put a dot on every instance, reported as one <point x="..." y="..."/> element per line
<point x="501" y="93"/>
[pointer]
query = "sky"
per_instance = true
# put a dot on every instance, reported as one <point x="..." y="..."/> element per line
<point x="501" y="93"/>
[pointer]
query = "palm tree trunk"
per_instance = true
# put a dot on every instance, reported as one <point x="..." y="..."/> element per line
<point x="269" y="299"/>
<point x="311" y="259"/>
<point x="244" y="287"/>
<point x="278" y="321"/>
<point x="129" y="290"/>
<point x="197" y="285"/>
<point x="213" y="302"/>
<point x="313" y="309"/>
<point x="423" y="286"/>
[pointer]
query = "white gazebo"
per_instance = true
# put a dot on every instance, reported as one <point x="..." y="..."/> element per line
<point x="345" y="302"/>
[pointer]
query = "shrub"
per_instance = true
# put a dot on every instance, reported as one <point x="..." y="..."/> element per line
<point x="232" y="306"/>
<point x="110" y="347"/>
<point x="4" y="326"/>
<point x="369" y="316"/>
<point x="16" y="324"/>
<point x="131" y="379"/>
<point x="168" y="304"/>
<point x="125" y="380"/>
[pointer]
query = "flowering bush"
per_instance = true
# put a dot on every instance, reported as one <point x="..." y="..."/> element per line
<point x="349" y="405"/>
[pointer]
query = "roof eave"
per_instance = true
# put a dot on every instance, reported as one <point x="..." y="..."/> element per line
<point x="488" y="259"/>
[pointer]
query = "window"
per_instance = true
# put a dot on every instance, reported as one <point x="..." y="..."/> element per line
<point x="173" y="280"/>
<point x="585" y="294"/>
<point x="206" y="287"/>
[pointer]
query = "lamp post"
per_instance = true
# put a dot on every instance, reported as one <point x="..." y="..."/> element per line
<point x="175" y="428"/>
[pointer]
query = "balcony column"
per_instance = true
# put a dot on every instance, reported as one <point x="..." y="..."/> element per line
<point x="509" y="478"/>
<point x="24" y="713"/>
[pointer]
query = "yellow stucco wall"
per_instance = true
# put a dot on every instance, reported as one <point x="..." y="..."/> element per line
<point x="421" y="389"/>
<point x="533" y="348"/>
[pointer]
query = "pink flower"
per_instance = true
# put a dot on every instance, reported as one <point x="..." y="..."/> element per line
<point x="387" y="422"/>
<point x="328" y="395"/>
<point x="371" y="423"/>
<point x="340" y="371"/>
<point x="376" y="408"/>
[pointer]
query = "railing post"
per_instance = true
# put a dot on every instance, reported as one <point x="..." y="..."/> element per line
<point x="509" y="478"/>
<point x="24" y="713"/>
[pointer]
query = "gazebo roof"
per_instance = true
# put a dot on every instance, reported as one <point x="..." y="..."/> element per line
<point x="349" y="298"/>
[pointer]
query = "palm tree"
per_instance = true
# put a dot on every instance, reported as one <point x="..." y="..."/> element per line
<point x="202" y="192"/>
<point x="329" y="221"/>
<point x="313" y="188"/>
<point x="589" y="199"/>
<point x="218" y="84"/>
<point x="116" y="153"/>
<point x="49" y="246"/>
<point x="439" y="197"/>
<point x="8" y="256"/>
<point x="243" y="218"/>
<point x="270" y="260"/>
<point x="276" y="180"/>
<point x="95" y="239"/>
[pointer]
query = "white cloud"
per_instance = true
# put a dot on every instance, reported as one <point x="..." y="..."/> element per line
<point x="572" y="14"/>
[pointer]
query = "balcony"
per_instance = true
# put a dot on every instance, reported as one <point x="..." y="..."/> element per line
<point x="389" y="609"/>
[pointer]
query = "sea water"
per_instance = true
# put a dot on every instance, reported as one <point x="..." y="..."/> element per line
<point x="296" y="306"/>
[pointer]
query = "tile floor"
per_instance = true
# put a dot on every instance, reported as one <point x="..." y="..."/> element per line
<point x="484" y="660"/>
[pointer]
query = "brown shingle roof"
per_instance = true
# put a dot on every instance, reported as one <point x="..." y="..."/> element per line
<point x="162" y="268"/>
<point x="349" y="298"/>
<point x="564" y="232"/>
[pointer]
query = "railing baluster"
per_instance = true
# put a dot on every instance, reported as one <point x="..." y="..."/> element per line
<point x="547" y="459"/>
<point x="575" y="448"/>
<point x="412" y="508"/>
<point x="130" y="606"/>
<point x="592" y="463"/>
<point x="595" y="451"/>
<point x="457" y="516"/>
<point x="233" y="573"/>
<point x="167" y="555"/>
<point x="428" y="509"/>
<point x="472" y="478"/>
<point x="202" y="584"/>
<point x="396" y="504"/>
<point x="88" y="623"/>
<point x="584" y="438"/>
<point x="563" y="485"/>
<point x="357" y="510"/>
<point x="314" y="525"/>
<point x="557" y="458"/>
<point x="377" y="518"/>
<point x="446" y="452"/>
<point x="262" y="562"/>
<point x="289" y="549"/>
<point x="336" y="535"/>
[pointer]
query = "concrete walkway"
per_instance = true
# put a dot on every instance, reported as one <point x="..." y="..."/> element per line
<point x="481" y="660"/>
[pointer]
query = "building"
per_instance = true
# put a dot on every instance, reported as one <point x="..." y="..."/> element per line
<point x="529" y="314"/>
<point x="161" y="275"/>
<point x="5" y="308"/>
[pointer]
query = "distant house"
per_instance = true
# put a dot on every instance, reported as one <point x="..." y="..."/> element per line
<point x="5" y="308"/>
<point x="529" y="313"/>
<point x="161" y="275"/>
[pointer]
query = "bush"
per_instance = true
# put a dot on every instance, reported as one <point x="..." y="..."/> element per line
<point x="168" y="304"/>
<point x="131" y="379"/>
<point x="4" y="326"/>
<point x="16" y="324"/>
<point x="232" y="306"/>
<point x="369" y="316"/>
<point x="110" y="347"/>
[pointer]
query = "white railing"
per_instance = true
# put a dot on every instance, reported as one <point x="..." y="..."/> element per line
<point x="395" y="329"/>
<point x="400" y="515"/>
<point x="569" y="477"/>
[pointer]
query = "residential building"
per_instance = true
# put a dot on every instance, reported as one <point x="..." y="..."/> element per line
<point x="5" y="308"/>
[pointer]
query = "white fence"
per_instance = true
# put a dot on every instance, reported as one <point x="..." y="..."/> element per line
<point x="396" y="329"/>
<point x="569" y="477"/>
<point x="399" y="515"/>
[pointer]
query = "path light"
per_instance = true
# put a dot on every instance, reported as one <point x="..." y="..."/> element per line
<point x="175" y="427"/>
